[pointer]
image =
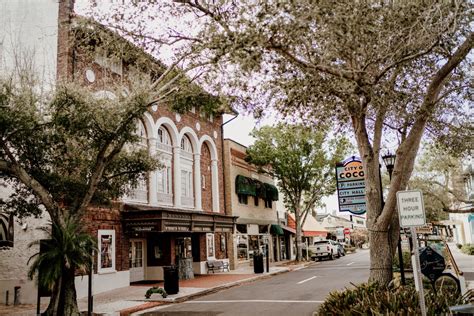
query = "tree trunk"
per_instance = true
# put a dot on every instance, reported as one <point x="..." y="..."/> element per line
<point x="63" y="299"/>
<point x="380" y="256"/>
<point x="299" y="251"/>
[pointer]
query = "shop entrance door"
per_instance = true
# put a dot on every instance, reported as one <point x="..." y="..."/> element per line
<point x="137" y="258"/>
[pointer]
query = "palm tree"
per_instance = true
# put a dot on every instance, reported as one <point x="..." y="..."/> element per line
<point x="69" y="250"/>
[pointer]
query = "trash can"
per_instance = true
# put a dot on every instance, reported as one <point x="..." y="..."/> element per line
<point x="171" y="278"/>
<point x="258" y="263"/>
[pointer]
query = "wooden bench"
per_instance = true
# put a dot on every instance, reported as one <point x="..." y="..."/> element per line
<point x="213" y="265"/>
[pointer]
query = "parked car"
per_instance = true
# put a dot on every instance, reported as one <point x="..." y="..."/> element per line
<point x="324" y="249"/>
<point x="340" y="249"/>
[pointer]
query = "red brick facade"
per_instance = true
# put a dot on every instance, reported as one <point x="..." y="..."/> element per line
<point x="72" y="65"/>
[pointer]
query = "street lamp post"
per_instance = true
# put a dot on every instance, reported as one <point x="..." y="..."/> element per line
<point x="389" y="161"/>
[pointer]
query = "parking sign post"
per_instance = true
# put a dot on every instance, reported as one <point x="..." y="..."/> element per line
<point x="411" y="212"/>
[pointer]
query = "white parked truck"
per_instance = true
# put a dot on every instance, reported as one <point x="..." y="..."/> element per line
<point x="324" y="249"/>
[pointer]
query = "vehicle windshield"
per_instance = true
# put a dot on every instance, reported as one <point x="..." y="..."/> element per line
<point x="321" y="242"/>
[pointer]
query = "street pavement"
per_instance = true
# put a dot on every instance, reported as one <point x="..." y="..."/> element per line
<point x="298" y="292"/>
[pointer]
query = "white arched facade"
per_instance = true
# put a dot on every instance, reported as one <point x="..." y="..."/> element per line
<point x="178" y="183"/>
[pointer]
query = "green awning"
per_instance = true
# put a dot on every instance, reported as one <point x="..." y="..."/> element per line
<point x="244" y="185"/>
<point x="276" y="230"/>
<point x="271" y="192"/>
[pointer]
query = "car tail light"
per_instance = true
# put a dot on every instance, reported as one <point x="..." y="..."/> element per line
<point x="328" y="248"/>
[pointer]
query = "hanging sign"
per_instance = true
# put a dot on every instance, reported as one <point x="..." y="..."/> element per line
<point x="351" y="186"/>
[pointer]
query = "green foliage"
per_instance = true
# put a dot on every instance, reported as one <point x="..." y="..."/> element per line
<point x="459" y="246"/>
<point x="437" y="175"/>
<point x="468" y="249"/>
<point x="406" y="261"/>
<point x="300" y="158"/>
<point x="68" y="247"/>
<point x="373" y="299"/>
<point x="157" y="290"/>
<point x="67" y="140"/>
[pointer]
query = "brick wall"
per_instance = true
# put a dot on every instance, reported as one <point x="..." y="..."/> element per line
<point x="206" y="183"/>
<point x="109" y="218"/>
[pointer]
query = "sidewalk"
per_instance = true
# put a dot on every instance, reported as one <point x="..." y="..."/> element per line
<point x="465" y="264"/>
<point x="130" y="299"/>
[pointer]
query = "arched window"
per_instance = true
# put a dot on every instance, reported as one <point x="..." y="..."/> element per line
<point x="141" y="132"/>
<point x="6" y="230"/>
<point x="139" y="193"/>
<point x="164" y="178"/>
<point x="187" y="176"/>
<point x="186" y="144"/>
<point x="164" y="137"/>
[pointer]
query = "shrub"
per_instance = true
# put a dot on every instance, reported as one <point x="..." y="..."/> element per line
<point x="459" y="246"/>
<point x="156" y="289"/>
<point x="468" y="249"/>
<point x="373" y="299"/>
<point x="406" y="261"/>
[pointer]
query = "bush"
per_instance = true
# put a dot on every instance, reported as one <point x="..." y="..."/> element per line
<point x="373" y="299"/>
<point x="406" y="261"/>
<point x="468" y="249"/>
<point x="156" y="289"/>
<point x="459" y="246"/>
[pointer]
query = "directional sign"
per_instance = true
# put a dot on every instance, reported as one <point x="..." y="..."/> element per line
<point x="411" y="208"/>
<point x="352" y="192"/>
<point x="351" y="186"/>
<point x="353" y="208"/>
<point x="352" y="200"/>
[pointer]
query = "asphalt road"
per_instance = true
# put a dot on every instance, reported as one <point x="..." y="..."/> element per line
<point x="295" y="293"/>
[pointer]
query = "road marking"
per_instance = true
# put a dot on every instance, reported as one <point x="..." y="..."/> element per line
<point x="251" y="301"/>
<point x="351" y="263"/>
<point x="301" y="282"/>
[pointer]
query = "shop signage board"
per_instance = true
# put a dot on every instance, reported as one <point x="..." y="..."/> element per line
<point x="351" y="186"/>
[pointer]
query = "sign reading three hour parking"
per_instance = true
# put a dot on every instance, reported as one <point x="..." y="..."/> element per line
<point x="411" y="208"/>
<point x="351" y="186"/>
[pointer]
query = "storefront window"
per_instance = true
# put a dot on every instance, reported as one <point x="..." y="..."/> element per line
<point x="242" y="247"/>
<point x="242" y="228"/>
<point x="253" y="245"/>
<point x="263" y="229"/>
<point x="210" y="246"/>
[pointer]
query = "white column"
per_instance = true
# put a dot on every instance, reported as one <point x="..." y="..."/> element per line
<point x="197" y="183"/>
<point x="215" y="185"/>
<point x="177" y="176"/>
<point x="152" y="198"/>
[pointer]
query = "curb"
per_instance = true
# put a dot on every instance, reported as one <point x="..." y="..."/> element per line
<point x="145" y="306"/>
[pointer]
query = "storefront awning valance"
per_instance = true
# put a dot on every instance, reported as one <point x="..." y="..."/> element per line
<point x="271" y="192"/>
<point x="276" y="230"/>
<point x="244" y="185"/>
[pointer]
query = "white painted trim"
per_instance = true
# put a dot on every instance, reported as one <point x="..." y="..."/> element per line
<point x="172" y="130"/>
<point x="192" y="137"/>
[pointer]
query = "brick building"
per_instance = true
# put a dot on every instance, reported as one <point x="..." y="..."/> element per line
<point x="177" y="213"/>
